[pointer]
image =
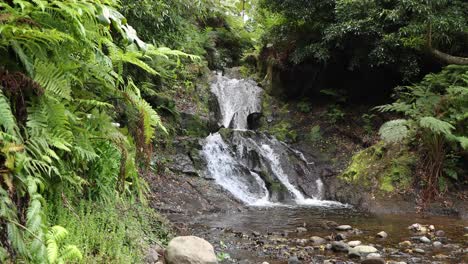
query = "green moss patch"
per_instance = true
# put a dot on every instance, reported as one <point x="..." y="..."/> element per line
<point x="386" y="168"/>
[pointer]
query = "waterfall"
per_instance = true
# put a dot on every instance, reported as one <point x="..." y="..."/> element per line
<point x="228" y="172"/>
<point x="237" y="100"/>
<point x="255" y="168"/>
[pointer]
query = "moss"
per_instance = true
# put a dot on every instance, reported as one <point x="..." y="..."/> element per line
<point x="225" y="133"/>
<point x="194" y="126"/>
<point x="386" y="168"/>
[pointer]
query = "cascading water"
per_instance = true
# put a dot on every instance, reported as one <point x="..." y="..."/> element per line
<point x="255" y="168"/>
<point x="237" y="100"/>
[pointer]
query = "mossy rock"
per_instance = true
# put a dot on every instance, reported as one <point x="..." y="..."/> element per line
<point x="194" y="126"/>
<point x="383" y="167"/>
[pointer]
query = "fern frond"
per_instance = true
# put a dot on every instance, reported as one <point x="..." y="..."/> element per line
<point x="70" y="253"/>
<point x="7" y="120"/>
<point x="52" y="79"/>
<point x="437" y="126"/>
<point x="394" y="131"/>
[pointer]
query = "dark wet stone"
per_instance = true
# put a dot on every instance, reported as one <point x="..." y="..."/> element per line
<point x="340" y="237"/>
<point x="373" y="261"/>
<point x="339" y="246"/>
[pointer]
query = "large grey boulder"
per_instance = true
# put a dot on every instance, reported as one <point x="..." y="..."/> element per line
<point x="190" y="250"/>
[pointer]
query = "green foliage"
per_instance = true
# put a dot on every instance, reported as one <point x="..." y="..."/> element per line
<point x="334" y="113"/>
<point x="56" y="251"/>
<point x="394" y="131"/>
<point x="304" y="107"/>
<point x="315" y="134"/>
<point x="379" y="33"/>
<point x="114" y="232"/>
<point x="436" y="110"/>
<point x="72" y="120"/>
<point x="283" y="131"/>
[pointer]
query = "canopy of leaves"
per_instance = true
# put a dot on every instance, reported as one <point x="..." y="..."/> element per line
<point x="371" y="33"/>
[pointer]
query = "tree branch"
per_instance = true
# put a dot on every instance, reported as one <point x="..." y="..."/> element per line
<point x="442" y="56"/>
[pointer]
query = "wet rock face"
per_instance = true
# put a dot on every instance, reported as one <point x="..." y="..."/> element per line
<point x="274" y="162"/>
<point x="190" y="250"/>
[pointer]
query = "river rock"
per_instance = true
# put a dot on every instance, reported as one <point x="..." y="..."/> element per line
<point x="340" y="237"/>
<point x="302" y="241"/>
<point x="437" y="244"/>
<point x="317" y="241"/>
<point x="361" y="251"/>
<point x="419" y="250"/>
<point x="354" y="243"/>
<point x="301" y="229"/>
<point x="190" y="250"/>
<point x="405" y="244"/>
<point x="466" y="229"/>
<point x="373" y="261"/>
<point x="344" y="227"/>
<point x="339" y="246"/>
<point x="294" y="260"/>
<point x="440" y="233"/>
<point x="425" y="240"/>
<point x="418" y="229"/>
<point x="382" y="234"/>
<point x="152" y="256"/>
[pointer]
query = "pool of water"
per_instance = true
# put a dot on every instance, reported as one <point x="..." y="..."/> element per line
<point x="320" y="221"/>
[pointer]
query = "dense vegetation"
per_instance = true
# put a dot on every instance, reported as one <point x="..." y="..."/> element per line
<point x="382" y="48"/>
<point x="83" y="84"/>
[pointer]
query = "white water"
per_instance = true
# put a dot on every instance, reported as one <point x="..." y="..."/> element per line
<point x="237" y="100"/>
<point x="224" y="168"/>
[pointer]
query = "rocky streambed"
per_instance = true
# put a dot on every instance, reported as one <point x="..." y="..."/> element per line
<point x="327" y="235"/>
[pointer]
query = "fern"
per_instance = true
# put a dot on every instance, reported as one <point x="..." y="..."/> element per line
<point x="394" y="131"/>
<point x="8" y="121"/>
<point x="436" y="126"/>
<point x="58" y="253"/>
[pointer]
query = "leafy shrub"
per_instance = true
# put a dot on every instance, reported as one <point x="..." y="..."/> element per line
<point x="315" y="134"/>
<point x="304" y="107"/>
<point x="435" y="111"/>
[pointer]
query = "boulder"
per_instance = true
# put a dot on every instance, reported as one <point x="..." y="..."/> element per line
<point x="190" y="250"/>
